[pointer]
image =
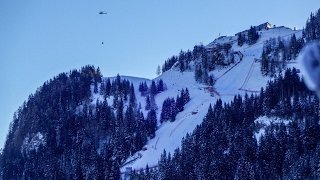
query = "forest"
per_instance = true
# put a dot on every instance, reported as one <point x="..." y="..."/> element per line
<point x="60" y="133"/>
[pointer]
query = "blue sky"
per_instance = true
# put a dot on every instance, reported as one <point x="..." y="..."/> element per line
<point x="40" y="39"/>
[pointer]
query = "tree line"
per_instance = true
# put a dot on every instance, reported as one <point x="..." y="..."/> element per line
<point x="171" y="107"/>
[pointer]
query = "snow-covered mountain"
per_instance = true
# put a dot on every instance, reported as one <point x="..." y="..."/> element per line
<point x="79" y="130"/>
<point x="244" y="76"/>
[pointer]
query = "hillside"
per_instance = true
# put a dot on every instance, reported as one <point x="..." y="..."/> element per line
<point x="244" y="76"/>
<point x="271" y="134"/>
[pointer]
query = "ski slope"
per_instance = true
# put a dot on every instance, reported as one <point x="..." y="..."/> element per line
<point x="244" y="77"/>
<point x="169" y="134"/>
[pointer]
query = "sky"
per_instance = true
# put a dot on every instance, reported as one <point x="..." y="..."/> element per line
<point x="40" y="39"/>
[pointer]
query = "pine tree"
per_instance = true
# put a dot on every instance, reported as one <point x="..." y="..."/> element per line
<point x="181" y="65"/>
<point x="95" y="89"/>
<point x="148" y="103"/>
<point x="198" y="73"/>
<point x="132" y="100"/>
<point x="98" y="76"/>
<point x="145" y="87"/>
<point x="102" y="88"/>
<point x="153" y="88"/>
<point x="264" y="64"/>
<point x="130" y="120"/>
<point x="154" y="105"/>
<point x="179" y="104"/>
<point x="172" y="111"/>
<point x="158" y="71"/>
<point x="165" y="111"/>
<point x="108" y="88"/>
<point x="241" y="39"/>
<point x="140" y="87"/>
<point x="163" y="165"/>
<point x="151" y="123"/>
<point x="293" y="47"/>
<point x="160" y="86"/>
<point x="119" y="112"/>
<point x="205" y="77"/>
<point x="186" y="96"/>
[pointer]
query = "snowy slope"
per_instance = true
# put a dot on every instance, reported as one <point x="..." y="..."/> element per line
<point x="169" y="134"/>
<point x="237" y="79"/>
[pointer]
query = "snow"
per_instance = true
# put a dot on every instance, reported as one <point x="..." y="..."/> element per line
<point x="33" y="143"/>
<point x="222" y="40"/>
<point x="245" y="77"/>
<point x="264" y="121"/>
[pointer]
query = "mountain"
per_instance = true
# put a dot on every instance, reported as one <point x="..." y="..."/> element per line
<point x="207" y="103"/>
<point x="239" y="78"/>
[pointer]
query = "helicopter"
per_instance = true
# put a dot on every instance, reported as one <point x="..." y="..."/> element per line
<point x="102" y="12"/>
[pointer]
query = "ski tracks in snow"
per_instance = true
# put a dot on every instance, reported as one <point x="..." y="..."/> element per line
<point x="188" y="114"/>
